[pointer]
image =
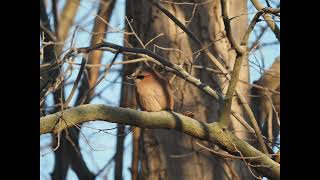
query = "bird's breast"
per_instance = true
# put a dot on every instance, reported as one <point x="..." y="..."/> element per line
<point x="151" y="96"/>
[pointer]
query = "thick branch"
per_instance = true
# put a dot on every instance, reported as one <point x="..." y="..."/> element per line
<point x="227" y="26"/>
<point x="255" y="19"/>
<point x="274" y="11"/>
<point x="162" y="120"/>
<point x="268" y="19"/>
<point x="226" y="108"/>
<point x="241" y="54"/>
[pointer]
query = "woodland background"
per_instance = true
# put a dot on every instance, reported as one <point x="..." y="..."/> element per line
<point x="104" y="150"/>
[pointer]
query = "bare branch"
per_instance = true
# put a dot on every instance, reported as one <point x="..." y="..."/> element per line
<point x="75" y="85"/>
<point x="267" y="18"/>
<point x="250" y="28"/>
<point x="274" y="11"/>
<point x="226" y="108"/>
<point x="227" y="26"/>
<point x="163" y="120"/>
<point x="179" y="71"/>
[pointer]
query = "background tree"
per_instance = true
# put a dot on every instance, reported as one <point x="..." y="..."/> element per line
<point x="206" y="39"/>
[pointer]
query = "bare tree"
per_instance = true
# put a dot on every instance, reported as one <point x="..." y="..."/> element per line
<point x="204" y="49"/>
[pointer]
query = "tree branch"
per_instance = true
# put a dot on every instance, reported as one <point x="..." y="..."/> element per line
<point x="179" y="71"/>
<point x="162" y="120"/>
<point x="226" y="108"/>
<point x="241" y="54"/>
<point x="267" y="17"/>
<point x="250" y="28"/>
<point x="234" y="44"/>
<point x="274" y="11"/>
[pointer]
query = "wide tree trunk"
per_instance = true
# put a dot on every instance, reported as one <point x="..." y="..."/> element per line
<point x="173" y="155"/>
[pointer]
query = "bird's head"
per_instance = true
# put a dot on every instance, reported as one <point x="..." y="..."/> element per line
<point x="141" y="73"/>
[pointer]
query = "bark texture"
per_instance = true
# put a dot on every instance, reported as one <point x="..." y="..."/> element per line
<point x="266" y="104"/>
<point x="211" y="132"/>
<point x="207" y="24"/>
<point x="128" y="101"/>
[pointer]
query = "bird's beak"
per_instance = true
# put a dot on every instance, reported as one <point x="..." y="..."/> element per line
<point x="132" y="76"/>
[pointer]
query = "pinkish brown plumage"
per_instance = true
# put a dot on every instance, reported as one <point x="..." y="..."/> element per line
<point x="154" y="92"/>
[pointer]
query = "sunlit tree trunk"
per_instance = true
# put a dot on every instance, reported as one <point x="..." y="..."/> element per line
<point x="266" y="104"/>
<point x="69" y="151"/>
<point x="169" y="154"/>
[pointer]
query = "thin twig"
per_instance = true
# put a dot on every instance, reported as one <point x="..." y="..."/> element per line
<point x="75" y="85"/>
<point x="225" y="155"/>
<point x="246" y="163"/>
<point x="135" y="34"/>
<point x="99" y="81"/>
<point x="156" y="37"/>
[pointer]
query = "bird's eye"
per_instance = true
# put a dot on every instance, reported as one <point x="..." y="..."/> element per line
<point x="140" y="77"/>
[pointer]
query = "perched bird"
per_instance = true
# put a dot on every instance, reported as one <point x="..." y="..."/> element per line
<point x="154" y="92"/>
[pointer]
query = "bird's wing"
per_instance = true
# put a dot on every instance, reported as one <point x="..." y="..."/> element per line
<point x="164" y="97"/>
<point x="148" y="98"/>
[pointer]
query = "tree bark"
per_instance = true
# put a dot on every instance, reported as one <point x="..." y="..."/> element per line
<point x="266" y="104"/>
<point x="127" y="100"/>
<point x="50" y="71"/>
<point x="65" y="22"/>
<point x="210" y="132"/>
<point x="207" y="24"/>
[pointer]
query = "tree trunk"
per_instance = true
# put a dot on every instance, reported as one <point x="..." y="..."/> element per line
<point x="67" y="153"/>
<point x="127" y="100"/>
<point x="266" y="104"/>
<point x="160" y="146"/>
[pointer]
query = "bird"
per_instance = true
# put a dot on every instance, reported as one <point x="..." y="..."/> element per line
<point x="153" y="91"/>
